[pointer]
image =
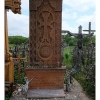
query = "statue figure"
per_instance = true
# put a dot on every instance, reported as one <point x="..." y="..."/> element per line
<point x="80" y="36"/>
<point x="25" y="88"/>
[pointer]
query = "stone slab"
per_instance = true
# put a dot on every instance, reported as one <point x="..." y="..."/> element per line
<point x="46" y="78"/>
<point x="45" y="93"/>
<point x="21" y="97"/>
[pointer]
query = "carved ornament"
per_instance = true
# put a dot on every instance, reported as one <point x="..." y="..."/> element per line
<point x="14" y="5"/>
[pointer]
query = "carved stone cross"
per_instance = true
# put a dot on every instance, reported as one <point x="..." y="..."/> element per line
<point x="58" y="63"/>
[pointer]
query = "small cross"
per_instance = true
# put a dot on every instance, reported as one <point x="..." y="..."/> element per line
<point x="58" y="63"/>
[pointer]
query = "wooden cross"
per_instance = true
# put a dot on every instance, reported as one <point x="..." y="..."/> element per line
<point x="89" y="30"/>
<point x="19" y="59"/>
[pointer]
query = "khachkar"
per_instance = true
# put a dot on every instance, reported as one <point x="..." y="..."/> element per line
<point x="45" y="44"/>
<point x="45" y="33"/>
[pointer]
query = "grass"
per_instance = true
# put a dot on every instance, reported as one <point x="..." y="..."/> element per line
<point x="67" y="57"/>
<point x="86" y="84"/>
<point x="11" y="45"/>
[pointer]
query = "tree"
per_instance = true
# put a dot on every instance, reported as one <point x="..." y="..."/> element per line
<point x="17" y="39"/>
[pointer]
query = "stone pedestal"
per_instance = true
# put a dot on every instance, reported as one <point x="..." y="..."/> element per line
<point x="46" y="78"/>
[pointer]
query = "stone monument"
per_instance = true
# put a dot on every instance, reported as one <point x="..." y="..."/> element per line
<point x="45" y="45"/>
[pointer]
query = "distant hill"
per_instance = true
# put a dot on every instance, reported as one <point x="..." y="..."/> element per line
<point x="17" y="39"/>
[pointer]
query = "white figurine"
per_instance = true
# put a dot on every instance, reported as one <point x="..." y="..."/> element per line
<point x="25" y="88"/>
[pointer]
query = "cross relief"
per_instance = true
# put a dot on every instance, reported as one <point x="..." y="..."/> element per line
<point x="45" y="23"/>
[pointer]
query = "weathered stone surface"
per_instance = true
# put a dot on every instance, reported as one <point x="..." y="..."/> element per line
<point x="45" y="93"/>
<point x="45" y="32"/>
<point x="46" y="78"/>
<point x="14" y="5"/>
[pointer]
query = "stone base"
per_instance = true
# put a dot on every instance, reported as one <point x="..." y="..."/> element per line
<point x="46" y="78"/>
<point x="45" y="93"/>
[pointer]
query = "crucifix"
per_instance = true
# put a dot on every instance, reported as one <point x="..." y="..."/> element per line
<point x="89" y="30"/>
<point x="79" y="36"/>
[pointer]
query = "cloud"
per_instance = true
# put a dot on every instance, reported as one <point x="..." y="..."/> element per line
<point x="18" y="24"/>
<point x="68" y="15"/>
<point x="84" y="20"/>
<point x="80" y="5"/>
<point x="25" y="4"/>
<point x="66" y="26"/>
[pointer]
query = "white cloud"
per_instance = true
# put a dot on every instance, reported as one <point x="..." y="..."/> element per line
<point x="68" y="15"/>
<point x="25" y="4"/>
<point x="80" y="5"/>
<point x="84" y="20"/>
<point x="18" y="24"/>
<point x="74" y="15"/>
<point x="65" y="26"/>
<point x="65" y="15"/>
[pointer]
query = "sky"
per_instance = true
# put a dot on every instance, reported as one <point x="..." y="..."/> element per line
<point x="74" y="14"/>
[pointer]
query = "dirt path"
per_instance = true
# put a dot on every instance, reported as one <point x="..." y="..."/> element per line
<point x="76" y="92"/>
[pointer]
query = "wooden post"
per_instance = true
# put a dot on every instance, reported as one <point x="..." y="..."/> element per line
<point x="13" y="5"/>
<point x="9" y="65"/>
<point x="6" y="33"/>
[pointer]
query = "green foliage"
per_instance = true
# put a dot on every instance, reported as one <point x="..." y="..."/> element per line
<point x="93" y="39"/>
<point x="72" y="40"/>
<point x="8" y="95"/>
<point x="85" y="40"/>
<point x="86" y="84"/>
<point x="17" y="39"/>
<point x="67" y="57"/>
<point x="22" y="75"/>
